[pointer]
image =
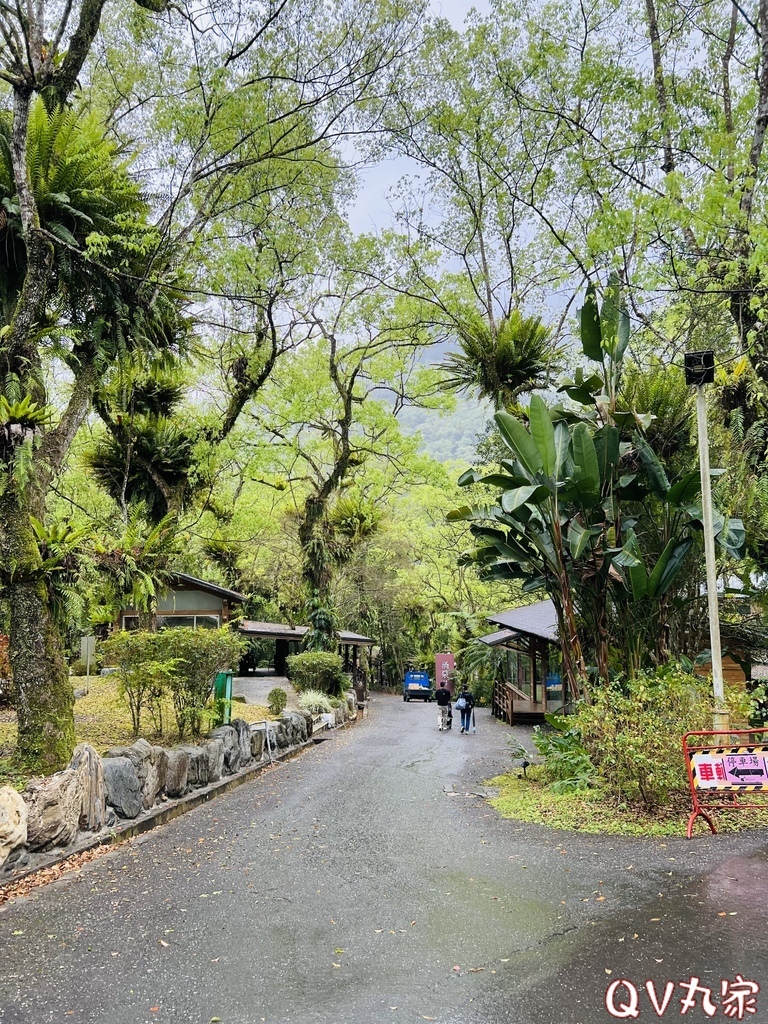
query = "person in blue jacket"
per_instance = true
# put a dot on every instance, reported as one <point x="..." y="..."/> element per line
<point x="465" y="702"/>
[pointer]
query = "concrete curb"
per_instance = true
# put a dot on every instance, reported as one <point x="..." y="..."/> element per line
<point x="155" y="816"/>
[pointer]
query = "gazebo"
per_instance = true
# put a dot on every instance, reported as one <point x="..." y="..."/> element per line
<point x="288" y="640"/>
<point x="530" y="682"/>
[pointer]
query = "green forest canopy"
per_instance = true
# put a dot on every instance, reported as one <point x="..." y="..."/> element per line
<point x="207" y="368"/>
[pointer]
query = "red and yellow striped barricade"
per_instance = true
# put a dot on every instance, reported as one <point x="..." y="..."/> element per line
<point x="719" y="776"/>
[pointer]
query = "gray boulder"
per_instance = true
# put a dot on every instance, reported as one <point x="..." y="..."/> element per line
<point x="243" y="730"/>
<point x="257" y="744"/>
<point x="308" y="722"/>
<point x="214" y="752"/>
<point x="281" y="735"/>
<point x="295" y="727"/>
<point x="150" y="763"/>
<point x="286" y="727"/>
<point x="87" y="764"/>
<point x="303" y="725"/>
<point x="13" y="822"/>
<point x="340" y="714"/>
<point x="231" y="740"/>
<point x="197" y="772"/>
<point x="177" y="773"/>
<point x="123" y="787"/>
<point x="351" y="700"/>
<point x="53" y="810"/>
<point x="268" y="734"/>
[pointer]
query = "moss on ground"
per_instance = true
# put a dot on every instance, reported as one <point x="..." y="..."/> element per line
<point x="103" y="720"/>
<point x="593" y="812"/>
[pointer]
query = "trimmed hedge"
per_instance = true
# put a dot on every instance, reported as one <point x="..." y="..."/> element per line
<point x="317" y="671"/>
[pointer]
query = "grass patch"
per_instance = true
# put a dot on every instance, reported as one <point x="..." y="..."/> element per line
<point x="103" y="720"/>
<point x="592" y="812"/>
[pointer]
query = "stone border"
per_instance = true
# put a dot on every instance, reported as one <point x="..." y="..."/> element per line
<point x="155" y="816"/>
<point x="172" y="808"/>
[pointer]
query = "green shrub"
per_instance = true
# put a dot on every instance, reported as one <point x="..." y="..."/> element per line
<point x="276" y="700"/>
<point x="632" y="732"/>
<point x="198" y="654"/>
<point x="179" y="662"/>
<point x="316" y="702"/>
<point x="79" y="668"/>
<point x="144" y="676"/>
<point x="317" y="670"/>
<point x="566" y="761"/>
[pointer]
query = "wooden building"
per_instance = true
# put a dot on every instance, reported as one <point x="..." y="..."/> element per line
<point x="188" y="601"/>
<point x="530" y="682"/>
<point x="288" y="641"/>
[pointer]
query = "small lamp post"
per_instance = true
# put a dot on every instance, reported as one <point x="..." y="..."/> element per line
<point x="700" y="370"/>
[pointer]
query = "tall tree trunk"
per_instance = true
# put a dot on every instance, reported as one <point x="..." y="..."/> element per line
<point x="43" y="691"/>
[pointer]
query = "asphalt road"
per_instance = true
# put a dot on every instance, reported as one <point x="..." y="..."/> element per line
<point x="348" y="885"/>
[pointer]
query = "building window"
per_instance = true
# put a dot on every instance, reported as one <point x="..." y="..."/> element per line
<point x="207" y="622"/>
<point x="188" y="621"/>
<point x="130" y="622"/>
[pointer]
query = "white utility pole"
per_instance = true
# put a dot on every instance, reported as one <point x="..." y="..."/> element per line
<point x="721" y="721"/>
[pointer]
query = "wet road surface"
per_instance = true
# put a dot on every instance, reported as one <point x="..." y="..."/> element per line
<point x="347" y="885"/>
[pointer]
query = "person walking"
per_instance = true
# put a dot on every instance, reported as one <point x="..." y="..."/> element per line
<point x="443" y="698"/>
<point x="465" y="703"/>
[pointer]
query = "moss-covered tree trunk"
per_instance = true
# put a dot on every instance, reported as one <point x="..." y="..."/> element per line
<point x="43" y="692"/>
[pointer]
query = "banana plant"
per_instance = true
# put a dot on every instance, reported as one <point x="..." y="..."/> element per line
<point x="531" y="533"/>
<point x="581" y="507"/>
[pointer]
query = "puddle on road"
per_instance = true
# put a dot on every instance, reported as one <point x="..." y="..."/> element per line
<point x="480" y="920"/>
<point x="709" y="925"/>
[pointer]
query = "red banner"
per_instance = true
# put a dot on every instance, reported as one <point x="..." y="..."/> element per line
<point x="444" y="668"/>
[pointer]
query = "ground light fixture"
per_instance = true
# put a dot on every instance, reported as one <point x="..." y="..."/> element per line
<point x="700" y="371"/>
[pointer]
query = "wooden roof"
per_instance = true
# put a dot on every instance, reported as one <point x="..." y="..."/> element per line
<point x="284" y="631"/>
<point x="498" y="638"/>
<point x="181" y="579"/>
<point x="538" y="619"/>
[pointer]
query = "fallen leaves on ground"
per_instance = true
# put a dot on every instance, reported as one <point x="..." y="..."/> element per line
<point x="23" y="887"/>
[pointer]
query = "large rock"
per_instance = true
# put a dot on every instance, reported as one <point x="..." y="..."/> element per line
<point x="268" y="737"/>
<point x="308" y="722"/>
<point x="54" y="805"/>
<point x="231" y="740"/>
<point x="123" y="786"/>
<point x="243" y="730"/>
<point x="86" y="763"/>
<point x="13" y="822"/>
<point x="177" y="773"/>
<point x="154" y="766"/>
<point x="257" y="744"/>
<point x="150" y="763"/>
<point x="281" y="735"/>
<point x="197" y="771"/>
<point x="214" y="750"/>
<point x="295" y="726"/>
<point x="351" y="700"/>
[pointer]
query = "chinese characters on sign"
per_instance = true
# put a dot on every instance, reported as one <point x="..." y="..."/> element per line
<point x="737" y="998"/>
<point x="444" y="666"/>
<point x="713" y="769"/>
<point x="725" y="778"/>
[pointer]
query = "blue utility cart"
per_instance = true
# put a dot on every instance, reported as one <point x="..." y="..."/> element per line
<point x="417" y="686"/>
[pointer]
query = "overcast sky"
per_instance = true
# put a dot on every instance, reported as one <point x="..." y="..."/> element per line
<point x="371" y="211"/>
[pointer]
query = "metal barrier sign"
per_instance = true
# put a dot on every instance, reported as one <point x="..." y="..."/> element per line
<point x="719" y="774"/>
